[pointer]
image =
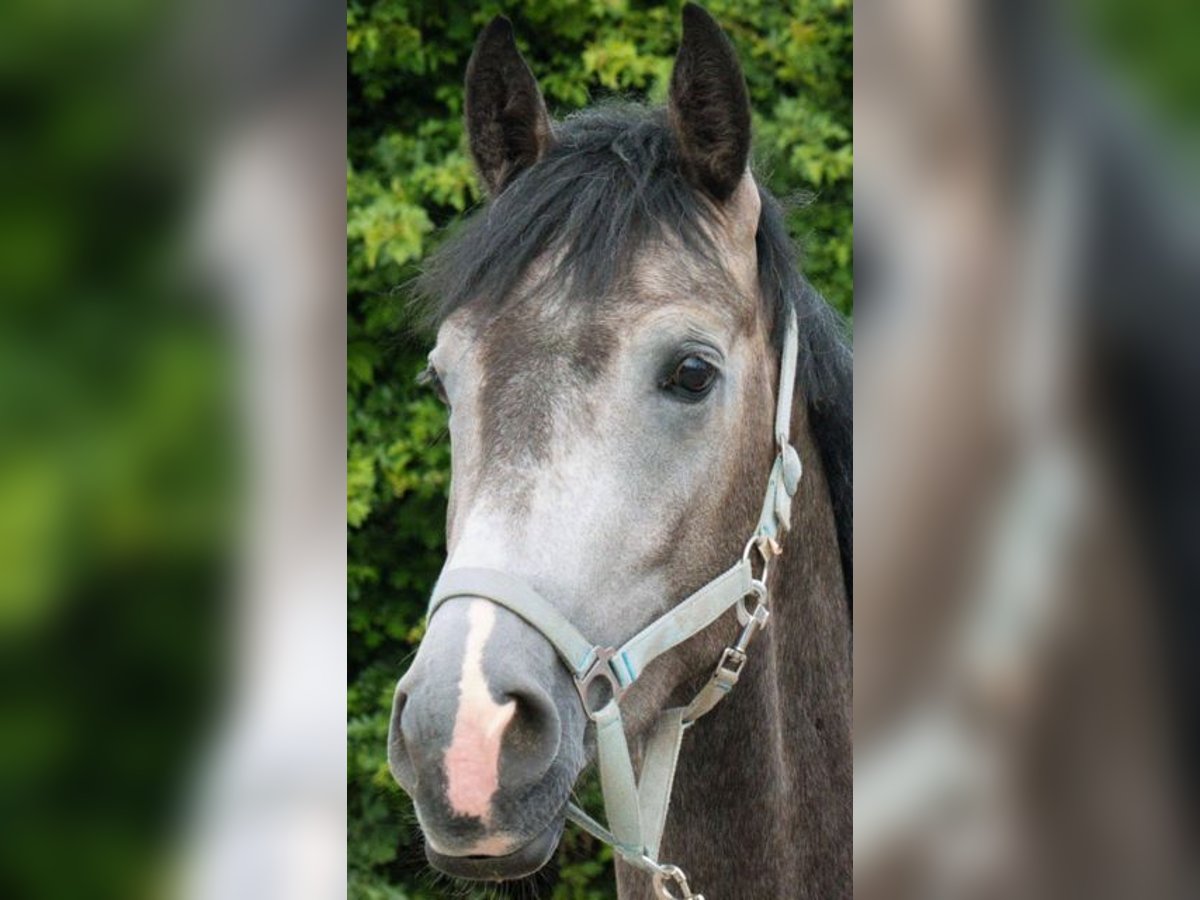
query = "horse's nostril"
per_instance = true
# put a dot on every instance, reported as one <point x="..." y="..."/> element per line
<point x="504" y="736"/>
<point x="399" y="760"/>
<point x="532" y="718"/>
<point x="532" y="741"/>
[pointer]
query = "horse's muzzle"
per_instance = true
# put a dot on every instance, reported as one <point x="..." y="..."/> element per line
<point x="486" y="736"/>
<point x="525" y="860"/>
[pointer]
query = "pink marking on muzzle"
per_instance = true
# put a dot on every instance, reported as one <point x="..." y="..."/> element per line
<point x="473" y="759"/>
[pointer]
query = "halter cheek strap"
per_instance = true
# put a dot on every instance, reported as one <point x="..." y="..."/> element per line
<point x="637" y="809"/>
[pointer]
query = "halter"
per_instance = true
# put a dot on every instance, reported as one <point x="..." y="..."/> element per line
<point x="637" y="809"/>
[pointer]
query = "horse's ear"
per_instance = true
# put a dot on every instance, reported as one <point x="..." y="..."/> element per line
<point x="709" y="106"/>
<point x="507" y="122"/>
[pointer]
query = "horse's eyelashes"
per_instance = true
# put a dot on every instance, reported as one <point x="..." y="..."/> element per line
<point x="430" y="378"/>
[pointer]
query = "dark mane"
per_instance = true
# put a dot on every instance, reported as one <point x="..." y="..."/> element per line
<point x="611" y="183"/>
<point x="824" y="372"/>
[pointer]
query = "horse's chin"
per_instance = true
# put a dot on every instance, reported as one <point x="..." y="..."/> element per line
<point x="525" y="860"/>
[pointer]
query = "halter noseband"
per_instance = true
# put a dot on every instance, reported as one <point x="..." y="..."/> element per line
<point x="637" y="809"/>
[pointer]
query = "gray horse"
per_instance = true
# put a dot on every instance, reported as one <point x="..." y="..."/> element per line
<point x="609" y="335"/>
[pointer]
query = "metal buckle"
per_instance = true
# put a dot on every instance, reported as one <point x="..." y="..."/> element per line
<point x="666" y="877"/>
<point x="600" y="668"/>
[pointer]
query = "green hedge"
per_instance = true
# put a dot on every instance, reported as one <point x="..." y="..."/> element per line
<point x="409" y="176"/>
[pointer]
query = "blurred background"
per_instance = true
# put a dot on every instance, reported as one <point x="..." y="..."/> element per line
<point x="117" y="459"/>
<point x="1026" y="431"/>
<point x="410" y="179"/>
<point x="171" y="448"/>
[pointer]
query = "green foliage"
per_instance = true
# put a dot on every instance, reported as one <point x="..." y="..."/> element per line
<point x="410" y="177"/>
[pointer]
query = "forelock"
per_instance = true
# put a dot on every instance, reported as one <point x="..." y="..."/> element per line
<point x="610" y="187"/>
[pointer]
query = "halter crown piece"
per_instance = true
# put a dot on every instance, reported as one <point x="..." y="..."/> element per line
<point x="637" y="809"/>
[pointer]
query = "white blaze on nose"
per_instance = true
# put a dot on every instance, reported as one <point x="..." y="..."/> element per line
<point x="473" y="759"/>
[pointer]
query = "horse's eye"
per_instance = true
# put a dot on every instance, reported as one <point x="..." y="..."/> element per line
<point x="430" y="378"/>
<point x="692" y="379"/>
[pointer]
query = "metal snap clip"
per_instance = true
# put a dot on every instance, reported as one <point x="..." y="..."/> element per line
<point x="732" y="662"/>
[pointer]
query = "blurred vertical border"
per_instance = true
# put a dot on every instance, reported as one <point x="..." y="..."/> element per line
<point x="134" y="511"/>
<point x="1027" y="421"/>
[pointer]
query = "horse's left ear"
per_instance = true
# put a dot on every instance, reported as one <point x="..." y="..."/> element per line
<point x="709" y="106"/>
<point x="507" y="122"/>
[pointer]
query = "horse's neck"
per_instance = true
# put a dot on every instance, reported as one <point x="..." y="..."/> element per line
<point x="762" y="801"/>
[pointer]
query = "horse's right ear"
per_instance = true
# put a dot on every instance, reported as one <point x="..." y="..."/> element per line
<point x="507" y="123"/>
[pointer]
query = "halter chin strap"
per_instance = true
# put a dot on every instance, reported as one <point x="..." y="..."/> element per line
<point x="637" y="809"/>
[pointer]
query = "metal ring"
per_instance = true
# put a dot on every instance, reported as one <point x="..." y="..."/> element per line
<point x="758" y="590"/>
<point x="673" y="875"/>
<point x="759" y="543"/>
<point x="600" y="669"/>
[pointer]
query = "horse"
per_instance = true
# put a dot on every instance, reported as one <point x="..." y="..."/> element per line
<point x="616" y="327"/>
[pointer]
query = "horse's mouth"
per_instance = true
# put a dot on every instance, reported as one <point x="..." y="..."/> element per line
<point x="525" y="860"/>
